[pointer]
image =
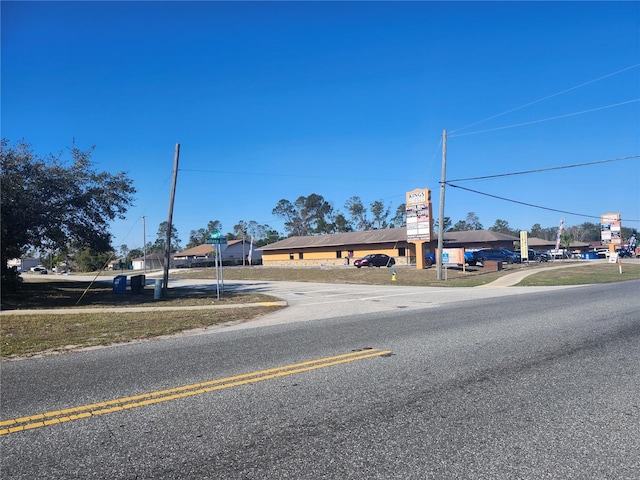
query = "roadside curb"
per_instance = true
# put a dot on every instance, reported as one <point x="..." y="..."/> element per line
<point x="71" y="311"/>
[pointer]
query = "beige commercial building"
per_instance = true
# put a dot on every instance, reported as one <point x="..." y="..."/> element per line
<point x="342" y="248"/>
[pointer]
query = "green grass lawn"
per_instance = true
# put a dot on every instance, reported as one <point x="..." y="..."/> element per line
<point x="29" y="334"/>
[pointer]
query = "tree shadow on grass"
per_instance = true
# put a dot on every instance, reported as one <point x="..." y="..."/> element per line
<point x="61" y="294"/>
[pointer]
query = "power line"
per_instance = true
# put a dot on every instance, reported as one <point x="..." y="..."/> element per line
<point x="529" y="204"/>
<point x="547" y="119"/>
<point x="374" y="179"/>
<point x="546" y="98"/>
<point x="546" y="169"/>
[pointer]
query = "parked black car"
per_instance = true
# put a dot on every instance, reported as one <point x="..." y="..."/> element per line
<point x="534" y="256"/>
<point x="375" y="260"/>
<point x="499" y="254"/>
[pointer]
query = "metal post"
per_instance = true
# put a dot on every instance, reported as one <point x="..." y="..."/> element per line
<point x="441" y="221"/>
<point x="221" y="268"/>
<point x="217" y="263"/>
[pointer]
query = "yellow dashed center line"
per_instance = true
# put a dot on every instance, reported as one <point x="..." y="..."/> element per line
<point x="110" y="406"/>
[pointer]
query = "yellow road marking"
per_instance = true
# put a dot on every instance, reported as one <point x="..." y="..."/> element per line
<point x="110" y="406"/>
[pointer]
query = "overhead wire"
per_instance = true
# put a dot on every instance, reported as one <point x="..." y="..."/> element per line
<point x="573" y="114"/>
<point x="137" y="219"/>
<point x="288" y="175"/>
<point x="548" y="169"/>
<point x="529" y="204"/>
<point x="454" y="134"/>
<point x="546" y="98"/>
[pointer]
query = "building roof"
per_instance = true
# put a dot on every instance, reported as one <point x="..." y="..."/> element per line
<point x="477" y="236"/>
<point x="535" y="242"/>
<point x="390" y="235"/>
<point x="203" y="249"/>
<point x="340" y="239"/>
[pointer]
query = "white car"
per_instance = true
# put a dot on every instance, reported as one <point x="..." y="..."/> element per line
<point x="39" y="269"/>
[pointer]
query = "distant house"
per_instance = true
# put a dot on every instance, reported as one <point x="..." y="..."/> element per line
<point x="234" y="252"/>
<point x="23" y="264"/>
<point x="195" y="256"/>
<point x="117" y="264"/>
<point x="154" y="261"/>
<point x="237" y="250"/>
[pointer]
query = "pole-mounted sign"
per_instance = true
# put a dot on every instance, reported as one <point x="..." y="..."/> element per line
<point x="419" y="218"/>
<point x="216" y="239"/>
<point x="611" y="229"/>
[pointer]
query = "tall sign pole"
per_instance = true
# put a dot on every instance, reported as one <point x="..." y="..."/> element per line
<point x="419" y="221"/>
<point x="167" y="246"/>
<point x="443" y="179"/>
<point x="216" y="239"/>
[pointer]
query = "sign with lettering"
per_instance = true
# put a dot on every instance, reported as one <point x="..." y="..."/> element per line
<point x="419" y="218"/>
<point x="216" y="241"/>
<point x="524" y="245"/>
<point x="452" y="256"/>
<point x="611" y="229"/>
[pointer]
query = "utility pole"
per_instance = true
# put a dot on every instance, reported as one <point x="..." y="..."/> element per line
<point x="167" y="246"/>
<point x="144" y="243"/>
<point x="443" y="179"/>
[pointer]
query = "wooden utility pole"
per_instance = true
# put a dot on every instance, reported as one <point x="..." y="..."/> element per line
<point x="167" y="246"/>
<point x="443" y="179"/>
<point x="144" y="243"/>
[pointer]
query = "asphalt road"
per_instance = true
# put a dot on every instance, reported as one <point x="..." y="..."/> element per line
<point x="542" y="384"/>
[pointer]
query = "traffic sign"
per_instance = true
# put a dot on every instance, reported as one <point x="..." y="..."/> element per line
<point x="216" y="241"/>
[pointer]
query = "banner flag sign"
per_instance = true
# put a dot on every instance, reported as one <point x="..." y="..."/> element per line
<point x="560" y="230"/>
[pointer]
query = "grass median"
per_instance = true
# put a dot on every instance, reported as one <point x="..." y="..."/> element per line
<point x="30" y="334"/>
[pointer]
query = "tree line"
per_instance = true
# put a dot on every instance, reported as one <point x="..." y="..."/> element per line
<point x="314" y="215"/>
<point x="63" y="208"/>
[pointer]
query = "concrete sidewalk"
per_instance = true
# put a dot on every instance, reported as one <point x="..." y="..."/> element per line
<point x="514" y="278"/>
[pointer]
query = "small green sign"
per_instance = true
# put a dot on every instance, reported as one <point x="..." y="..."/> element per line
<point x="216" y="241"/>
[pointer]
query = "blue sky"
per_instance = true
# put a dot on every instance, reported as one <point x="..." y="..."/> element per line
<point x="274" y="100"/>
